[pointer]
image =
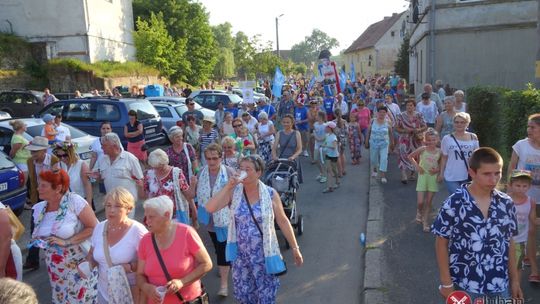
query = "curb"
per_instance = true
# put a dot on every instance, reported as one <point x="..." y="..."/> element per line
<point x="373" y="292"/>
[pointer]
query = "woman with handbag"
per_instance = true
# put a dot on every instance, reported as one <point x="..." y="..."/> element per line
<point x="164" y="179"/>
<point x="114" y="250"/>
<point x="456" y="149"/>
<point x="63" y="223"/>
<point x="252" y="245"/>
<point x="410" y="126"/>
<point x="172" y="256"/>
<point x="182" y="154"/>
<point x="288" y="144"/>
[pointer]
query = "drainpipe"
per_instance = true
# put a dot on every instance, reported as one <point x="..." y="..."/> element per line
<point x="432" y="43"/>
<point x="87" y="21"/>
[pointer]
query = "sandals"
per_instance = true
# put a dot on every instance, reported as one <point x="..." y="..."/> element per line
<point x="534" y="278"/>
<point x="426" y="229"/>
<point x="328" y="190"/>
<point x="418" y="218"/>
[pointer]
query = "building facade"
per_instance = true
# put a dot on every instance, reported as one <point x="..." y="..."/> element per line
<point x="375" y="51"/>
<point x="473" y="42"/>
<point x="90" y="30"/>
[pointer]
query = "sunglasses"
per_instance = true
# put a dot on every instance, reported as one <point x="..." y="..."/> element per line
<point x="61" y="155"/>
<point x="237" y="126"/>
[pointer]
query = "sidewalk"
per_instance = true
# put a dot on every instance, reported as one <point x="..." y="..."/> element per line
<point x="400" y="258"/>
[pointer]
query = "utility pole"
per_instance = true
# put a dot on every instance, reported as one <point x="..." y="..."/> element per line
<point x="277" y="34"/>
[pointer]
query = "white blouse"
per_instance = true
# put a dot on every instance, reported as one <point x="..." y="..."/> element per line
<point x="67" y="227"/>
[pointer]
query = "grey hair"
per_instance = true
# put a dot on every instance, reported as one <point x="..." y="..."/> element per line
<point x="175" y="130"/>
<point x="113" y="138"/>
<point x="459" y="92"/>
<point x="162" y="204"/>
<point x="13" y="292"/>
<point x="262" y="115"/>
<point x="450" y="98"/>
<point x="158" y="157"/>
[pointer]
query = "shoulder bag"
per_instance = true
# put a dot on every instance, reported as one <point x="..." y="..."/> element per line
<point x="202" y="299"/>
<point x="260" y="230"/>
<point x="462" y="157"/>
<point x="285" y="146"/>
<point x="118" y="285"/>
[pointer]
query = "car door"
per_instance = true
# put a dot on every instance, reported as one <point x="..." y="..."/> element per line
<point x="82" y="115"/>
<point x="167" y="118"/>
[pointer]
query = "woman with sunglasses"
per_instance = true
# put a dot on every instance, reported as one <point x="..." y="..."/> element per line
<point x="77" y="170"/>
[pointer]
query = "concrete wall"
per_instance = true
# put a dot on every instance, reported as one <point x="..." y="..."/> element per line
<point x="388" y="47"/>
<point x="361" y="61"/>
<point x="487" y="42"/>
<point x="89" y="30"/>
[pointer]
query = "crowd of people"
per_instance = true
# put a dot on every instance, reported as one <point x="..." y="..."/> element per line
<point x="210" y="176"/>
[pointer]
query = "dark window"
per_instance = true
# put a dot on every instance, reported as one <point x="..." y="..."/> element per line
<point x="163" y="111"/>
<point x="53" y="109"/>
<point x="145" y="110"/>
<point x="80" y="112"/>
<point x="392" y="33"/>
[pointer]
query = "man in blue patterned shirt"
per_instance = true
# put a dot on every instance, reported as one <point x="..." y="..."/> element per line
<point x="474" y="229"/>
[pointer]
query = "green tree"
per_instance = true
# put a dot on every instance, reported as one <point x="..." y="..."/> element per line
<point x="223" y="35"/>
<point x="224" y="67"/>
<point x="308" y="50"/>
<point x="401" y="65"/>
<point x="243" y="56"/>
<point x="157" y="48"/>
<point x="185" y="20"/>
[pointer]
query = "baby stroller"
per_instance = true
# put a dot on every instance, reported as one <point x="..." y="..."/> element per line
<point x="282" y="175"/>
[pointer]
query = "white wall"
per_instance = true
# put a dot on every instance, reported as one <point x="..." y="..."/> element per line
<point x="388" y="47"/>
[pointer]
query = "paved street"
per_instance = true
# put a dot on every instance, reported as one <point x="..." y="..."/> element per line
<point x="333" y="269"/>
<point x="408" y="270"/>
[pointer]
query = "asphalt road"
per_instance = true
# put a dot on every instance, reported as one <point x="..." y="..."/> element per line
<point x="333" y="255"/>
<point x="409" y="268"/>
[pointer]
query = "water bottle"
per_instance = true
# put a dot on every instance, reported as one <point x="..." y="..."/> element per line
<point x="363" y="239"/>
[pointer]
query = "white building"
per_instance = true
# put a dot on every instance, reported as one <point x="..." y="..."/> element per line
<point x="90" y="30"/>
<point x="473" y="42"/>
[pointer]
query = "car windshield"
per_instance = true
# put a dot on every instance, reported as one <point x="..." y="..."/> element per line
<point x="145" y="110"/>
<point x="235" y="98"/>
<point x="181" y="109"/>
<point x="36" y="131"/>
<point x="5" y="163"/>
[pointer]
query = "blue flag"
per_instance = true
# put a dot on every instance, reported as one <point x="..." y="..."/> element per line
<point x="342" y="80"/>
<point x="311" y="83"/>
<point x="279" y="80"/>
<point x="353" y="73"/>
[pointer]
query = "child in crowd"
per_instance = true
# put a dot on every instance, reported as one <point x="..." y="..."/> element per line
<point x="427" y="166"/>
<point x="355" y="140"/>
<point x="478" y="221"/>
<point x="519" y="185"/>
<point x="226" y="127"/>
<point x="49" y="130"/>
<point x="320" y="134"/>
<point x="331" y="155"/>
<point x="341" y="132"/>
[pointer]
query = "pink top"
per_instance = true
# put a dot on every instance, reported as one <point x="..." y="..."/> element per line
<point x="179" y="259"/>
<point x="363" y="117"/>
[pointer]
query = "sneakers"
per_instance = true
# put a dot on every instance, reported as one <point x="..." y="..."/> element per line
<point x="306" y="154"/>
<point x="383" y="180"/>
<point x="323" y="180"/>
<point x="223" y="292"/>
<point x="373" y="174"/>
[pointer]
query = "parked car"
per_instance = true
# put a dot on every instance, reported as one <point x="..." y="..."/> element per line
<point x="34" y="127"/>
<point x="210" y="100"/>
<point x="4" y="115"/>
<point x="88" y="113"/>
<point x="178" y="100"/>
<point x="64" y="96"/>
<point x="21" y="103"/>
<point x="171" y="113"/>
<point x="239" y="92"/>
<point x="12" y="188"/>
<point x="197" y="92"/>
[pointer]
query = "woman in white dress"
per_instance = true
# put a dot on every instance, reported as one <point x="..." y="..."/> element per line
<point x="77" y="169"/>
<point x="122" y="236"/>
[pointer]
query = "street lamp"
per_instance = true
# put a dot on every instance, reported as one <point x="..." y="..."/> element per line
<point x="277" y="35"/>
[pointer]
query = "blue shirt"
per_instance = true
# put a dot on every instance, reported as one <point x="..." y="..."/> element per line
<point x="233" y="111"/>
<point x="478" y="248"/>
<point x="269" y="109"/>
<point x="328" y="104"/>
<point x="301" y="114"/>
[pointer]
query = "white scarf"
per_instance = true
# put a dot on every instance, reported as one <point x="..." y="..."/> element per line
<point x="221" y="217"/>
<point x="272" y="255"/>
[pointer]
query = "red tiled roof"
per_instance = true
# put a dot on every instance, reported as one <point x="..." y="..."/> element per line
<point x="373" y="33"/>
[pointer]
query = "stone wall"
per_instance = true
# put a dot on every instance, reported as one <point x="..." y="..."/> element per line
<point x="13" y="80"/>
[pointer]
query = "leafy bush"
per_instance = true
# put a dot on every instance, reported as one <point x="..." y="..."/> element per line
<point x="102" y="68"/>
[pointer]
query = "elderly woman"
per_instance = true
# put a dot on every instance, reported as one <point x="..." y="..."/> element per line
<point x="134" y="132"/>
<point x="265" y="132"/>
<point x="410" y="126"/>
<point x="245" y="143"/>
<point x="77" y="170"/>
<point x="172" y="255"/>
<point x="18" y="152"/>
<point x="231" y="157"/>
<point x="445" y="121"/>
<point x="288" y="144"/>
<point x="212" y="178"/>
<point x="253" y="207"/>
<point x="164" y="179"/>
<point x="456" y="149"/>
<point x="182" y="154"/>
<point x="63" y="222"/>
<point x="208" y="135"/>
<point x="460" y="105"/>
<point x="115" y="242"/>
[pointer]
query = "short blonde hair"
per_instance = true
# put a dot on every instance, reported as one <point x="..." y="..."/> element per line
<point x="228" y="141"/>
<point x="162" y="204"/>
<point x="157" y="158"/>
<point x="463" y="115"/>
<point x="459" y="93"/>
<point x="121" y="195"/>
<point x="16" y="124"/>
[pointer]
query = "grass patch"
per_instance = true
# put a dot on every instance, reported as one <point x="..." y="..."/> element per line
<point x="8" y="73"/>
<point x="103" y="68"/>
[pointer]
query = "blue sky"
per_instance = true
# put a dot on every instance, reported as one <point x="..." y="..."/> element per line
<point x="344" y="20"/>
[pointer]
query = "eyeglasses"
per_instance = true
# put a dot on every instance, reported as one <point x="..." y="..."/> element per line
<point x="237" y="126"/>
<point x="62" y="155"/>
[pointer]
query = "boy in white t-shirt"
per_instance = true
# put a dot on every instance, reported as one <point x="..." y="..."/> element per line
<point x="429" y="110"/>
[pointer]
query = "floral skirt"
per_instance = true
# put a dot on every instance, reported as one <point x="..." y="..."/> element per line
<point x="66" y="283"/>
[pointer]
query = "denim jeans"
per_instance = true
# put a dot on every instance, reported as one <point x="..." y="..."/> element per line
<point x="379" y="157"/>
<point x="452" y="186"/>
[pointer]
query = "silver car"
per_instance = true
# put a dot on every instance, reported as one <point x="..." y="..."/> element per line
<point x="171" y="113"/>
<point x="34" y="126"/>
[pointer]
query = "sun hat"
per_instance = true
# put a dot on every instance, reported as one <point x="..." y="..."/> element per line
<point x="209" y="119"/>
<point x="521" y="173"/>
<point x="38" y="143"/>
<point x="330" y="124"/>
<point x="47" y="117"/>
